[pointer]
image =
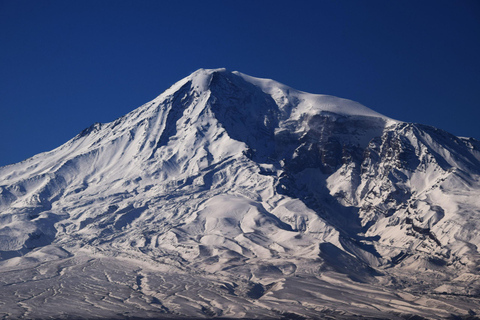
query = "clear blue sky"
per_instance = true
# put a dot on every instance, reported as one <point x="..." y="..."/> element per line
<point x="67" y="64"/>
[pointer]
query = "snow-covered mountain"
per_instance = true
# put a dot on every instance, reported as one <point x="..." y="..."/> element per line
<point x="233" y="196"/>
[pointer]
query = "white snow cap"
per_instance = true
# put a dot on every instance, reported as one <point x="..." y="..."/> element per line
<point x="304" y="103"/>
<point x="312" y="103"/>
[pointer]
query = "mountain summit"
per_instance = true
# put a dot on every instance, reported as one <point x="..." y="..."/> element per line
<point x="233" y="196"/>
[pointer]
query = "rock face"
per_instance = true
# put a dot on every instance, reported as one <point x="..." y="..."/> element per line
<point x="233" y="196"/>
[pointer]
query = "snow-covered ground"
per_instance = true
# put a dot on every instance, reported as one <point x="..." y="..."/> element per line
<point x="233" y="196"/>
<point x="92" y="286"/>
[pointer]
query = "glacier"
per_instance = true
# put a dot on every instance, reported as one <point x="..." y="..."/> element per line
<point x="230" y="196"/>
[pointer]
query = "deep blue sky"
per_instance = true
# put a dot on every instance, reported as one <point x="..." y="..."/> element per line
<point x="67" y="64"/>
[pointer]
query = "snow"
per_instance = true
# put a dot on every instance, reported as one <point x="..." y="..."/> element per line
<point x="234" y="196"/>
<point x="307" y="103"/>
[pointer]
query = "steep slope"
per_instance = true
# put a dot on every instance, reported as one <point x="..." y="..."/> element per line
<point x="256" y="188"/>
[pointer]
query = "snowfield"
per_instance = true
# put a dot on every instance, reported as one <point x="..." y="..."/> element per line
<point x="236" y="197"/>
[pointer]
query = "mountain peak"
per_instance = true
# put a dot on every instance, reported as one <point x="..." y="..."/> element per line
<point x="287" y="97"/>
<point x="202" y="77"/>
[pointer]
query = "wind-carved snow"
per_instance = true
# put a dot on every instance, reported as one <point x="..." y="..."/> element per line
<point x="297" y="103"/>
<point x="233" y="196"/>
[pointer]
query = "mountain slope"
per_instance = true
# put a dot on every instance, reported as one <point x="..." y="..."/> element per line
<point x="255" y="188"/>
